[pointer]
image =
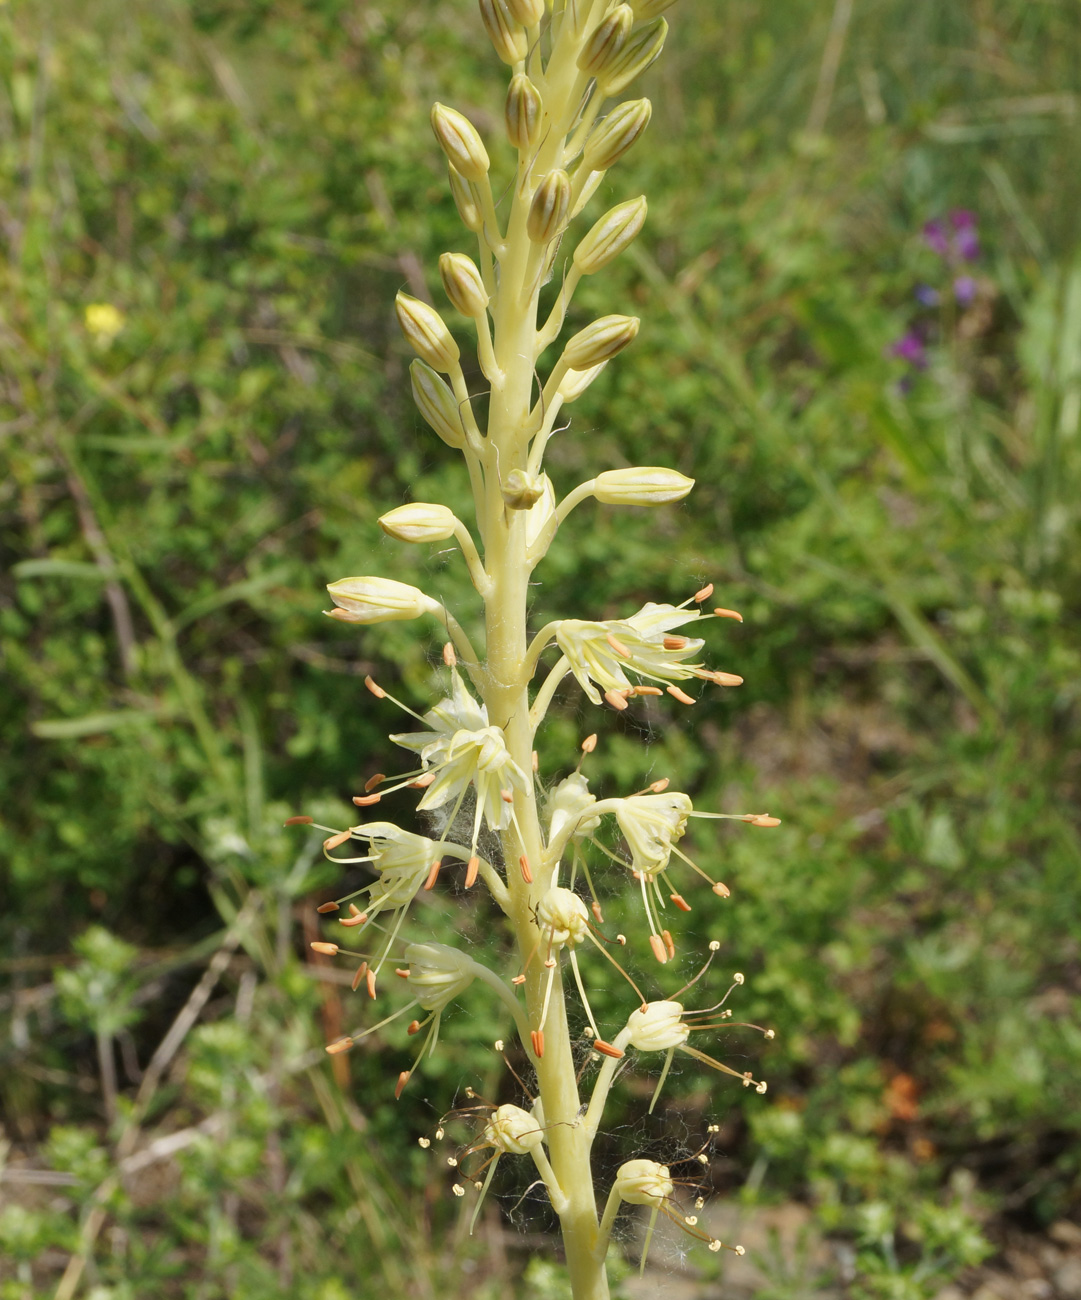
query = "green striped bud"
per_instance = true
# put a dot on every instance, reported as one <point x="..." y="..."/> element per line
<point x="548" y="211"/>
<point x="460" y="141"/>
<point x="420" y="521"/>
<point x="529" y="12"/>
<point x="426" y="332"/>
<point x="463" y="284"/>
<point x="377" y="600"/>
<point x="646" y="9"/>
<point x="611" y="235"/>
<point x="507" y="36"/>
<point x="641" y="486"/>
<point x="437" y="404"/>
<point x="606" y="40"/>
<point x="523" y="112"/>
<point x="600" y="341"/>
<point x="468" y="209"/>
<point x="638" y="53"/>
<point x="613" y="136"/>
<point x="575" y="382"/>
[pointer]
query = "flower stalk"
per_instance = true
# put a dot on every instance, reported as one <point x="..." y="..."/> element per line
<point x="568" y="60"/>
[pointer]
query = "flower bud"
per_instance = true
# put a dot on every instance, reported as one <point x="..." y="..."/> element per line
<point x="548" y="211"/>
<point x="468" y="210"/>
<point x="513" y="1131"/>
<point x="426" y="332"/>
<point x="463" y="284"/>
<point x="634" y="58"/>
<point x="377" y="600"/>
<point x="641" y="486"/>
<point x="522" y="491"/>
<point x="646" y="9"/>
<point x="613" y="136"/>
<point x="657" y="1027"/>
<point x="505" y="33"/>
<point x="643" y="1182"/>
<point x="523" y="112"/>
<point x="437" y="404"/>
<point x="529" y="12"/>
<point x="438" y="974"/>
<point x="606" y="40"/>
<point x="575" y="382"/>
<point x="615" y="231"/>
<point x="460" y="141"/>
<point x="600" y="341"/>
<point x="420" y="521"/>
<point x="562" y="915"/>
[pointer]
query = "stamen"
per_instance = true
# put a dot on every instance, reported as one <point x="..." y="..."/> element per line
<point x="675" y="642"/>
<point x="335" y="841"/>
<point x="358" y="918"/>
<point x="361" y="971"/>
<point x="366" y="800"/>
<point x="527" y="875"/>
<point x="298" y="821"/>
<point x="507" y="796"/>
<point x="472" y="867"/>
<point x="375" y="688"/>
<point x="399" y="1087"/>
<point x="327" y="949"/>
<point x="729" y="613"/>
<point x="680" y="902"/>
<point x="588" y="745"/>
<point x="535" y="761"/>
<point x="723" y="679"/>
<point x="369" y="979"/>
<point x="666" y="935"/>
<point x="373" y="781"/>
<point x="413" y="1027"/>
<point x="595" y="908"/>
<point x="449" y="657"/>
<point x="616" y="700"/>
<point x="648" y="690"/>
<point x="703" y="594"/>
<point x="765" y="821"/>
<point x="680" y="695"/>
<point x="606" y="1049"/>
<point x="342" y="1045"/>
<point x="422" y="782"/>
<point x="618" y="646"/>
<point x="721" y="890"/>
<point x="327" y="907"/>
<point x="433" y="874"/>
<point x="659" y="950"/>
<point x="537" y="1038"/>
<point x="659" y="787"/>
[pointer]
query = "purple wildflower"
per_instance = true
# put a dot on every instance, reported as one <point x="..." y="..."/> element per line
<point x="927" y="296"/>
<point x="934" y="236"/>
<point x="964" y="290"/>
<point x="909" y="347"/>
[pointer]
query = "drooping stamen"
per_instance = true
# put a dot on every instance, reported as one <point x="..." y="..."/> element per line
<point x="433" y="874"/>
<point x="471" y="869"/>
<point x="681" y="695"/>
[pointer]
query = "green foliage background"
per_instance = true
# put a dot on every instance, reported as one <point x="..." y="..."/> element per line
<point x="247" y="185"/>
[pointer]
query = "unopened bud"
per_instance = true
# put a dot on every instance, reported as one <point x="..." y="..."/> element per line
<point x="646" y="9"/>
<point x="641" y="486"/>
<point x="606" y="40"/>
<point x="615" y="231"/>
<point x="437" y="404"/>
<point x="426" y="332"/>
<point x="419" y="522"/>
<point x="548" y="211"/>
<point x="634" y="58"/>
<point x="463" y="284"/>
<point x="523" y="112"/>
<point x="460" y="141"/>
<point x="528" y="12"/>
<point x="468" y="210"/>
<point x="613" y="136"/>
<point x="600" y="341"/>
<point x="522" y="491"/>
<point x="643" y="1182"/>
<point x="504" y="31"/>
<point x="377" y="600"/>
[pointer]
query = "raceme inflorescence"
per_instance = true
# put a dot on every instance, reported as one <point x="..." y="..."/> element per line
<point x="473" y="756"/>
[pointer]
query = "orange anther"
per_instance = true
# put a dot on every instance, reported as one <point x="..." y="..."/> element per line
<point x="298" y="821"/>
<point x="527" y="875"/>
<point x="703" y="594"/>
<point x="414" y="1027"/>
<point x="595" y="907"/>
<point x="402" y="974"/>
<point x="327" y="907"/>
<point x="537" y="1037"/>
<point x="606" y="1049"/>
<point x="535" y="761"/>
<point x="675" y="642"/>
<point x="517" y="979"/>
<point x="507" y="796"/>
<point x="422" y="782"/>
<point x="681" y="902"/>
<point x="659" y="950"/>
<point x="721" y="890"/>
<point x="616" y="699"/>
<point x="350" y="921"/>
<point x="342" y="1045"/>
<point x="659" y="787"/>
<point x="373" y="781"/>
<point x="727" y="679"/>
<point x="729" y="613"/>
<point x="449" y="657"/>
<point x="589" y="744"/>
<point x="648" y="690"/>
<point x="333" y="841"/>
<point x="399" y="1087"/>
<point x="666" y="935"/>
<point x="369" y="979"/>
<point x="765" y="821"/>
<point x="361" y="971"/>
<point x="471" y="869"/>
<point x="366" y="800"/>
<point x="618" y="646"/>
<point x="327" y="949"/>
<point x="433" y="874"/>
<point x="680" y="695"/>
<point x="375" y="688"/>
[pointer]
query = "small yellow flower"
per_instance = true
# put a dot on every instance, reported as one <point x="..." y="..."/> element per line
<point x="103" y="321"/>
